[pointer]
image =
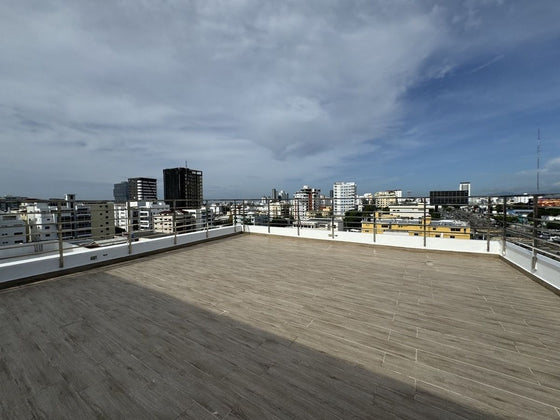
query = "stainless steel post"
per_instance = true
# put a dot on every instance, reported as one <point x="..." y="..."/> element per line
<point x="268" y="217"/>
<point x="535" y="231"/>
<point x="424" y="222"/>
<point x="175" y="227"/>
<point x="60" y="243"/>
<point x="206" y="209"/>
<point x="130" y="227"/>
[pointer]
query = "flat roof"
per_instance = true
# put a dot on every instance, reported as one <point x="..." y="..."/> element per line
<point x="266" y="327"/>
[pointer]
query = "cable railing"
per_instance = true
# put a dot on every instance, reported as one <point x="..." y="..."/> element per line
<point x="46" y="227"/>
<point x="530" y="221"/>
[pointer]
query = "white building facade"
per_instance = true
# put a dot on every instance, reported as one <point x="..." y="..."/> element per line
<point x="344" y="197"/>
<point x="12" y="229"/>
<point x="305" y="201"/>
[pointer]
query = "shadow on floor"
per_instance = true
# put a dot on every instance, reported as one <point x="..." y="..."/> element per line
<point x="93" y="345"/>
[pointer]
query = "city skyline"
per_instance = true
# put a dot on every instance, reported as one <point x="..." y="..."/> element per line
<point x="412" y="95"/>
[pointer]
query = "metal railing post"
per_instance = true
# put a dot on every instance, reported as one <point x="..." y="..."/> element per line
<point x="206" y="209"/>
<point x="298" y="218"/>
<point x="174" y="216"/>
<point x="243" y="216"/>
<point x="60" y="243"/>
<point x="332" y="223"/>
<point x="374" y="225"/>
<point x="489" y="228"/>
<point x="268" y="217"/>
<point x="424" y="223"/>
<point x="130" y="225"/>
<point x="504" y="221"/>
<point x="535" y="232"/>
<point x="234" y="216"/>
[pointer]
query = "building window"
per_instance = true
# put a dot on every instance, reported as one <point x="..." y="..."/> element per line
<point x="452" y="236"/>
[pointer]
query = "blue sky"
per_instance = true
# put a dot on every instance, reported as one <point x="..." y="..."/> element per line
<point x="415" y="95"/>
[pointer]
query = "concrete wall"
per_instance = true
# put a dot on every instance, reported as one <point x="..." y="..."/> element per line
<point x="406" y="241"/>
<point x="546" y="269"/>
<point x="82" y="257"/>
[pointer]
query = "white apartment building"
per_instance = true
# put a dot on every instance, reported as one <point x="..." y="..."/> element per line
<point x="344" y="197"/>
<point x="41" y="220"/>
<point x="201" y="217"/>
<point x="168" y="222"/>
<point x="141" y="214"/>
<point x="147" y="210"/>
<point x="77" y="220"/>
<point x="279" y="209"/>
<point x="387" y="198"/>
<point x="306" y="200"/>
<point x="12" y="229"/>
<point x="411" y="211"/>
<point x="126" y="218"/>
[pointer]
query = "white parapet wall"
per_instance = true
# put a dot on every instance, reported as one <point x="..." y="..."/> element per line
<point x="83" y="257"/>
<point x="385" y="239"/>
<point x="546" y="269"/>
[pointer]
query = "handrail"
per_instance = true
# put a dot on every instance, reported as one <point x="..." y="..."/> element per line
<point x="486" y="218"/>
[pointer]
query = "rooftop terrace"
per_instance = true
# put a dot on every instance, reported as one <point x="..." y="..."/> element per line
<point x="256" y="326"/>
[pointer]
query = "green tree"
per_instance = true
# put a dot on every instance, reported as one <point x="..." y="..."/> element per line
<point x="353" y="219"/>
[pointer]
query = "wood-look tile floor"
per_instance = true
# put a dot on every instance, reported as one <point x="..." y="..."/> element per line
<point x="264" y="327"/>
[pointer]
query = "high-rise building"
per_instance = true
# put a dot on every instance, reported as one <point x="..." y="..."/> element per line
<point x="183" y="187"/>
<point x="306" y="200"/>
<point x="120" y="192"/>
<point x="142" y="189"/>
<point x="344" y="197"/>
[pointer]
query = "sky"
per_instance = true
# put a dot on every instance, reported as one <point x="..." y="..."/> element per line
<point x="396" y="94"/>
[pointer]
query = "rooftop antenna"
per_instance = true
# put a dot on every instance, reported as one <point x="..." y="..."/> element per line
<point x="186" y="166"/>
<point x="538" y="159"/>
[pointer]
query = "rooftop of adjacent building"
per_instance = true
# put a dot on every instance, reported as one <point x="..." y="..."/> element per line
<point x="257" y="326"/>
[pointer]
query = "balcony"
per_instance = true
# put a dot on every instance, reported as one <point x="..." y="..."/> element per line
<point x="263" y="326"/>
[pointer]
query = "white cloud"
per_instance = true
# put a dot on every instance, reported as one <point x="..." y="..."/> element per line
<point x="282" y="89"/>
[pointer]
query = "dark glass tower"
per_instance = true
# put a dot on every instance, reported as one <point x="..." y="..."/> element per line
<point x="142" y="189"/>
<point x="182" y="187"/>
<point x="120" y="192"/>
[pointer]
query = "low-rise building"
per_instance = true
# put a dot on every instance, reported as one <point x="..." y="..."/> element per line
<point x="177" y="221"/>
<point x="387" y="198"/>
<point x="41" y="221"/>
<point x="453" y="229"/>
<point x="102" y="220"/>
<point x="409" y="211"/>
<point x="12" y="229"/>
